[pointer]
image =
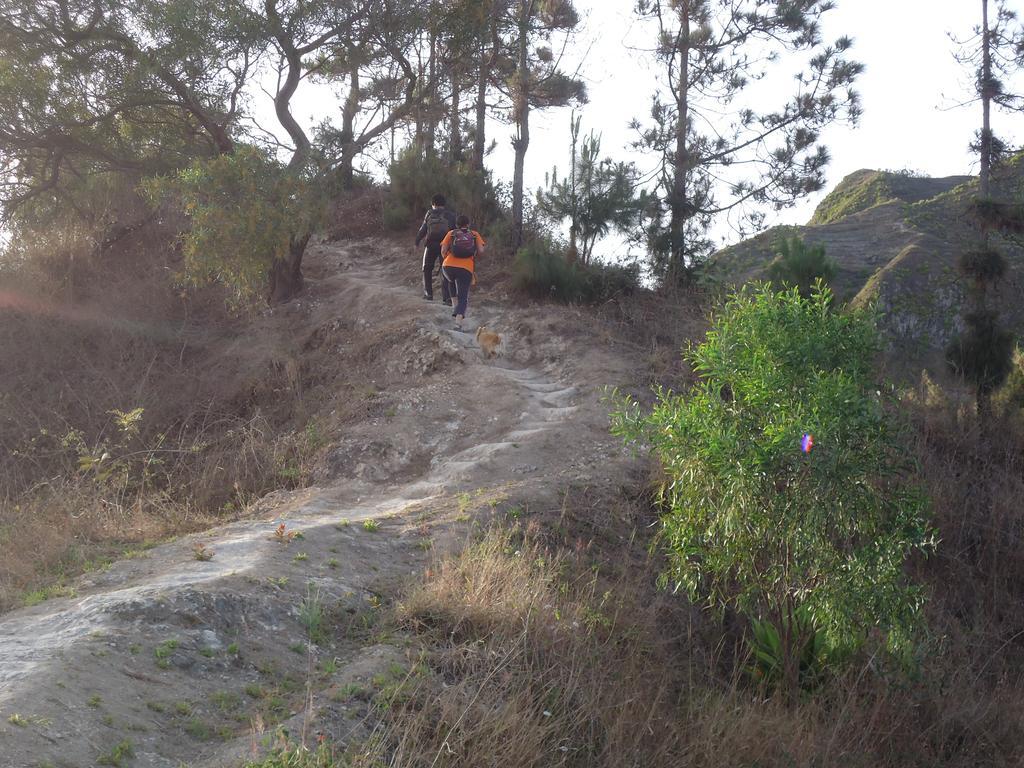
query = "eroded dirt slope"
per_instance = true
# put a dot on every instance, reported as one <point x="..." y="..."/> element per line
<point x="177" y="661"/>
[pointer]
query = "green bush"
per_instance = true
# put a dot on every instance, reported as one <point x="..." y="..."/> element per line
<point x="414" y="180"/>
<point x="755" y="524"/>
<point x="288" y="755"/>
<point x="244" y="211"/>
<point x="800" y="265"/>
<point x="1009" y="399"/>
<point x="398" y="217"/>
<point x="541" y="270"/>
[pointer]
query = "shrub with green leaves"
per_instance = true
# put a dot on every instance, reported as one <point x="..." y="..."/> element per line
<point x="1010" y="397"/>
<point x="246" y="209"/>
<point x="800" y="265"/>
<point x="755" y="524"/>
<point x="542" y="270"/>
<point x="413" y="180"/>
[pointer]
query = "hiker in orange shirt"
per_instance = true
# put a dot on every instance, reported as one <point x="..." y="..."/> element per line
<point x="459" y="250"/>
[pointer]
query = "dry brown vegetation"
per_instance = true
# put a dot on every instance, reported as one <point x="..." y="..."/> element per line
<point x="554" y="647"/>
<point x="90" y="333"/>
<point x="545" y="646"/>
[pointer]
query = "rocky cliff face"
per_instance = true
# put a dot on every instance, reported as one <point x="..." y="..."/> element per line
<point x="895" y="240"/>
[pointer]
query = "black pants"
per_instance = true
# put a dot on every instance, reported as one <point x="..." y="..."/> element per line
<point x="460" y="279"/>
<point x="431" y="255"/>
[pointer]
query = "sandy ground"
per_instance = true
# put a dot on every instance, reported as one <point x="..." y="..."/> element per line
<point x="194" y="663"/>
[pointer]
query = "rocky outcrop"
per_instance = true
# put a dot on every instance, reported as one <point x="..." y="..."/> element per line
<point x="895" y="240"/>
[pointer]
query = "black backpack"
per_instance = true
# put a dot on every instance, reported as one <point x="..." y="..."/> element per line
<point x="463" y="244"/>
<point x="437" y="225"/>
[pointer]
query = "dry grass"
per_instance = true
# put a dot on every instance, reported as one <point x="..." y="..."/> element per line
<point x="72" y="519"/>
<point x="533" y="662"/>
<point x="554" y="648"/>
<point x="528" y="667"/>
<point x="85" y="333"/>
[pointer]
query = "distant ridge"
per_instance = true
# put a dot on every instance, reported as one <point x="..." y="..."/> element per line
<point x="895" y="238"/>
<point x="865" y="189"/>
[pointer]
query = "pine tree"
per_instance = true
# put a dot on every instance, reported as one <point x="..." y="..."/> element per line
<point x="983" y="352"/>
<point x="717" y="155"/>
<point x="535" y="80"/>
<point x="993" y="52"/>
<point x="596" y="196"/>
<point x="800" y="266"/>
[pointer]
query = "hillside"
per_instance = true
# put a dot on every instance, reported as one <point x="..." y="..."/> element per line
<point x="895" y="240"/>
<point x="183" y="657"/>
<point x="465" y="566"/>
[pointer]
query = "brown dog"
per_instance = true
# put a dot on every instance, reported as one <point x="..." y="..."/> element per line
<point x="489" y="341"/>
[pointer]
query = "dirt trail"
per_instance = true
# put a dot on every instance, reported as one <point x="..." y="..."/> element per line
<point x="185" y="660"/>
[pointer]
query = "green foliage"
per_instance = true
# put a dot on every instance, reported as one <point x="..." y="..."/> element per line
<point x="115" y="460"/>
<point x="774" y="161"/>
<point x="983" y="353"/>
<point x="414" y="180"/>
<point x="814" y="655"/>
<point x="245" y="211"/>
<point x="1010" y="397"/>
<point x="295" y="756"/>
<point x="542" y="271"/>
<point x="117" y="756"/>
<point x="754" y="524"/>
<point x="312" y="617"/>
<point x="163" y="652"/>
<point x="982" y="265"/>
<point x="800" y="265"/>
<point x="595" y="197"/>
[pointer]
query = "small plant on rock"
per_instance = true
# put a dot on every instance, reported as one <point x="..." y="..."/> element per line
<point x="283" y="536"/>
<point x="163" y="653"/>
<point x="202" y="552"/>
<point x="122" y="751"/>
<point x="311" y="616"/>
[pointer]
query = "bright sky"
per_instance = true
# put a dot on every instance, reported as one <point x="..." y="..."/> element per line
<point x="909" y="93"/>
<point x="910" y="83"/>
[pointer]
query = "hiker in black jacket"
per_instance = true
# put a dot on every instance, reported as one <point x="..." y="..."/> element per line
<point x="438" y="222"/>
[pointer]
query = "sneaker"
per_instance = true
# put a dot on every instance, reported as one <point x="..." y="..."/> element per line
<point x="427" y="298"/>
<point x="446" y="302"/>
<point x="458" y="322"/>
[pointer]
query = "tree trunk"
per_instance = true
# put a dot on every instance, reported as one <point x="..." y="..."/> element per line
<point x="431" y="129"/>
<point x="282" y="100"/>
<point x="678" y="204"/>
<point x="480" y="136"/>
<point x="285" y="275"/>
<point x="347" y="139"/>
<point x="346" y="170"/>
<point x="574" y="130"/>
<point x="419" y="127"/>
<point x="986" y="101"/>
<point x="456" y="127"/>
<point x="353" y="144"/>
<point x="522" y="117"/>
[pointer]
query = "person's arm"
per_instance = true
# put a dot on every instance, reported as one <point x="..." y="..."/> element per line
<point x="446" y="245"/>
<point x="481" y="244"/>
<point x="423" y="230"/>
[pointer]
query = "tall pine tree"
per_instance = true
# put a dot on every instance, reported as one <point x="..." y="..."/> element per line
<point x="718" y="155"/>
<point x="983" y="352"/>
<point x="596" y="196"/>
<point x="535" y="79"/>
